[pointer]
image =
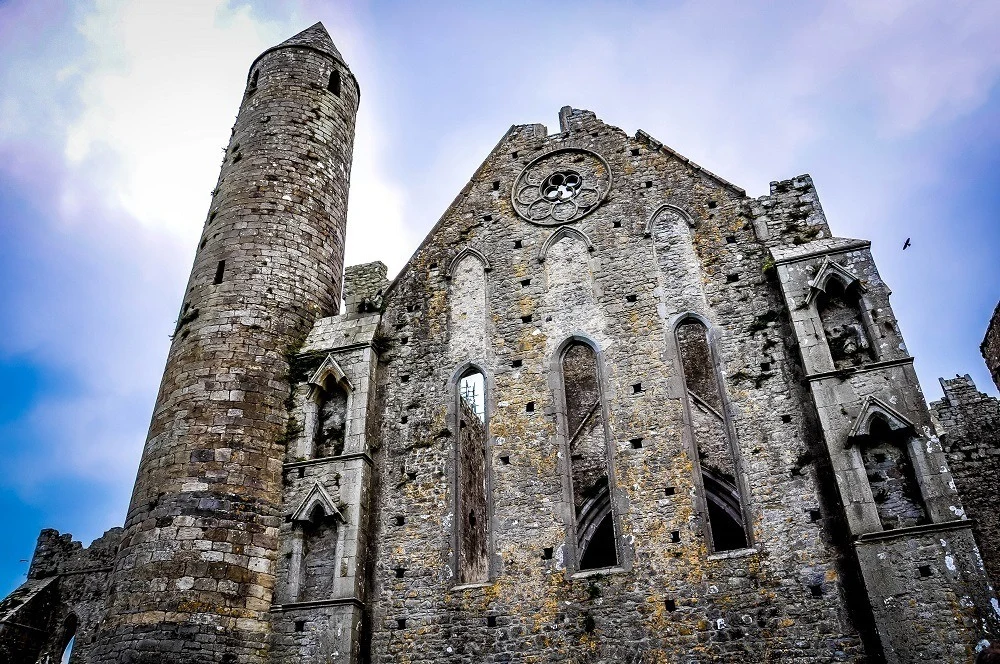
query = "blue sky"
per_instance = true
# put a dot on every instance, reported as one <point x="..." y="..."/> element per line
<point x="113" y="116"/>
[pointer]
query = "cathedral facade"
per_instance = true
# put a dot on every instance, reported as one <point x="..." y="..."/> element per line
<point x="612" y="410"/>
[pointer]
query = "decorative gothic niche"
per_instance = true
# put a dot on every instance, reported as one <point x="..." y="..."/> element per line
<point x="891" y="476"/>
<point x="590" y="460"/>
<point x="331" y="421"/>
<point x="713" y="439"/>
<point x="326" y="412"/>
<point x="472" y="515"/>
<point x="841" y="311"/>
<point x="312" y="565"/>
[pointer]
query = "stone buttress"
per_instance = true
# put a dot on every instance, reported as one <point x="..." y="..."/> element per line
<point x="923" y="573"/>
<point x="194" y="578"/>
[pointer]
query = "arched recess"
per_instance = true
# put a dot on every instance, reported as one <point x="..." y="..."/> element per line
<point x="681" y="274"/>
<point x="327" y="411"/>
<point x="659" y="213"/>
<point x="465" y="253"/>
<point x="472" y="478"/>
<point x="718" y="476"/>
<point x="564" y="232"/>
<point x="882" y="437"/>
<point x="467" y="305"/>
<point x="315" y="547"/>
<point x="590" y="477"/>
<point x="838" y="297"/>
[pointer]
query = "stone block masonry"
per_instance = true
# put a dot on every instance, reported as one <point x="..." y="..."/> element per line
<point x="611" y="410"/>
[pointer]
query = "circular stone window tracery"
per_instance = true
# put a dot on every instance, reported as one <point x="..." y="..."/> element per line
<point x="561" y="186"/>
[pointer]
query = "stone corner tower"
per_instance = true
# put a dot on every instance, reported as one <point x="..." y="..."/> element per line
<point x="194" y="576"/>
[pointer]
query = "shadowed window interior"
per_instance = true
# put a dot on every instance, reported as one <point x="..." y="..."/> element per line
<point x="472" y="506"/>
<point x="589" y="459"/>
<point x="331" y="420"/>
<point x="712" y="439"/>
<point x="846" y="334"/>
<point x="67" y="639"/>
<point x="891" y="477"/>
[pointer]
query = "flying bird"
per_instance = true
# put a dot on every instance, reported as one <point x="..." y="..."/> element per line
<point x="906" y="244"/>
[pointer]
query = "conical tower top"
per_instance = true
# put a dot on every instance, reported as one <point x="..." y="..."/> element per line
<point x="315" y="36"/>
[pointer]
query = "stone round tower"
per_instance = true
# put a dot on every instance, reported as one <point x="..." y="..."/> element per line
<point x="194" y="578"/>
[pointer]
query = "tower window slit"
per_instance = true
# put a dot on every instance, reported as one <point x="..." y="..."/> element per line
<point x="334" y="84"/>
<point x="220" y="272"/>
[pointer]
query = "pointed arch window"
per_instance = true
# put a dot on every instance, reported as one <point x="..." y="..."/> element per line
<point x="67" y="638"/>
<point x="334" y="83"/>
<point x="472" y="505"/>
<point x="596" y="543"/>
<point x="713" y="440"/>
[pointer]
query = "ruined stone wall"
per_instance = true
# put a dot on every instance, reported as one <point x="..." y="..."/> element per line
<point x="195" y="575"/>
<point x="63" y="598"/>
<point x="969" y="425"/>
<point x="990" y="347"/>
<point x="668" y="599"/>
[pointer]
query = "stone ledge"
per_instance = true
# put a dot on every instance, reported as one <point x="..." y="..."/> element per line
<point x="958" y="524"/>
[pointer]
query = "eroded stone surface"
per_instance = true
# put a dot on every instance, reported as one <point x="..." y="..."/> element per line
<point x="612" y="410"/>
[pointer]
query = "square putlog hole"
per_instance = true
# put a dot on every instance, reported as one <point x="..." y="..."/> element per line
<point x="300" y="625"/>
<point x="732" y="278"/>
<point x="816" y="590"/>
<point x="491" y="621"/>
<point x="516" y="363"/>
<point x="525" y="282"/>
<point x="730" y="239"/>
<point x="669" y="491"/>
<point x="675" y="536"/>
<point x="526" y="319"/>
<point x="670" y="605"/>
<point x="631" y="298"/>
<point x="815" y="515"/>
<point x="785" y="419"/>
<point x="401" y="623"/>
<point x="400" y="572"/>
<point x="636" y="443"/>
<point x="518" y="244"/>
<point x="505" y="459"/>
<point x="636" y="388"/>
<point x="547" y="553"/>
<point x="925" y="570"/>
<point x="400" y="519"/>
<point x="635" y="152"/>
<point x="529" y="407"/>
<point x="616" y="224"/>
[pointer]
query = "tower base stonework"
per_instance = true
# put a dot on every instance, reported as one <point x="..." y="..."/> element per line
<point x="613" y="409"/>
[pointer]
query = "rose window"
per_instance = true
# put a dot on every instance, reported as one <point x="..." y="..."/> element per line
<point x="549" y="192"/>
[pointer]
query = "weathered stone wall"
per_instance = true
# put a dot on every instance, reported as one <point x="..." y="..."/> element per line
<point x="990" y="347"/>
<point x="969" y="425"/>
<point x="669" y="598"/>
<point x="195" y="575"/>
<point x="63" y="598"/>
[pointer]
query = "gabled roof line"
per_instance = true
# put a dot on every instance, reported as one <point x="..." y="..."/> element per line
<point x="642" y="136"/>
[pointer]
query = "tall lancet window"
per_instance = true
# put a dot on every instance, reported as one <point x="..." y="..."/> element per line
<point x="590" y="459"/>
<point x="714" y="443"/>
<point x="472" y="514"/>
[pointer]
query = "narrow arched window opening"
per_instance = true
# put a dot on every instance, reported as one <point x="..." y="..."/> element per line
<point x="334" y="84"/>
<point x="891" y="477"/>
<point x="472" y="497"/>
<point x="717" y="461"/>
<point x="67" y="638"/>
<point x="840" y="310"/>
<point x="252" y="87"/>
<point x="590" y="461"/>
